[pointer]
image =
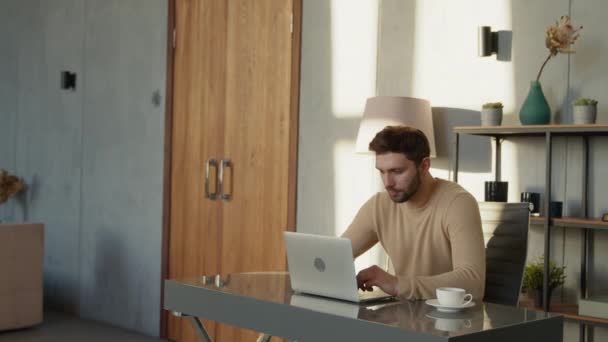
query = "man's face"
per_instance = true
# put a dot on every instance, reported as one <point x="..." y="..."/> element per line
<point x="400" y="175"/>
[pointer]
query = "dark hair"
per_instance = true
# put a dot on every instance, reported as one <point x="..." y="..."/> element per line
<point x="402" y="139"/>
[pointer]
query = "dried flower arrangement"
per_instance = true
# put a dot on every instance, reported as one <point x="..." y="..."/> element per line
<point x="9" y="185"/>
<point x="559" y="38"/>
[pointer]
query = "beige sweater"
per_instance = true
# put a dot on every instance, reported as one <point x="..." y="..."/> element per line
<point x="440" y="244"/>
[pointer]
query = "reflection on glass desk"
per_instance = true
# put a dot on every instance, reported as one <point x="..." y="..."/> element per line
<point x="265" y="302"/>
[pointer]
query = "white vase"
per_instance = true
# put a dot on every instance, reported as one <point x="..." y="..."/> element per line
<point x="491" y="116"/>
<point x="584" y="115"/>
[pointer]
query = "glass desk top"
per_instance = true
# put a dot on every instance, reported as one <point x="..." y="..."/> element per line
<point x="414" y="316"/>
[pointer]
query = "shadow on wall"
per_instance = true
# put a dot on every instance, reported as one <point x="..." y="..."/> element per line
<point x="505" y="39"/>
<point x="29" y="197"/>
<point x="59" y="292"/>
<point x="475" y="152"/>
<point x="109" y="279"/>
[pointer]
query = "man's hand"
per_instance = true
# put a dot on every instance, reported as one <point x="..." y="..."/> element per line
<point x="375" y="276"/>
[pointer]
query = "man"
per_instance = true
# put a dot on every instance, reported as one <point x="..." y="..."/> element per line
<point x="429" y="227"/>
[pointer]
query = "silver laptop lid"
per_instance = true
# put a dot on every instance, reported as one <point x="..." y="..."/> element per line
<point x="321" y="265"/>
<point x="334" y="307"/>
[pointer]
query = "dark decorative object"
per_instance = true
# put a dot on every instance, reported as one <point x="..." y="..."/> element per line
<point x="496" y="191"/>
<point x="555" y="209"/>
<point x="534" y="199"/>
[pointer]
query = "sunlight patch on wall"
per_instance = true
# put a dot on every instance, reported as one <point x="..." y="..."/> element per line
<point x="354" y="30"/>
<point x="448" y="72"/>
<point x="356" y="180"/>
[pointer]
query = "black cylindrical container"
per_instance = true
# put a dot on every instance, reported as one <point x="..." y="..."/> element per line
<point x="496" y="191"/>
<point x="534" y="199"/>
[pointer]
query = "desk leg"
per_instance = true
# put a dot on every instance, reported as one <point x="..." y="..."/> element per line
<point x="199" y="328"/>
<point x="264" y="338"/>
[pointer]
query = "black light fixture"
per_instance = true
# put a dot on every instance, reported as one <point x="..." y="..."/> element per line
<point x="68" y="80"/>
<point x="487" y="41"/>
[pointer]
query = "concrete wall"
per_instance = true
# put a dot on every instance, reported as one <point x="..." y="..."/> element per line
<point x="428" y="49"/>
<point x="93" y="157"/>
<point x="9" y="28"/>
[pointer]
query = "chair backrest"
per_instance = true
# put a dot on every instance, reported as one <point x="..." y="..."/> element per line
<point x="505" y="229"/>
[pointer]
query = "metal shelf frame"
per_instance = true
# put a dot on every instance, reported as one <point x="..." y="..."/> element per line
<point x="499" y="133"/>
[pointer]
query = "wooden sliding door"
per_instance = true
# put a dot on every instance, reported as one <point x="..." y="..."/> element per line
<point x="236" y="65"/>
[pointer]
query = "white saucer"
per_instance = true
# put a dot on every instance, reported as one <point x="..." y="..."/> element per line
<point x="446" y="308"/>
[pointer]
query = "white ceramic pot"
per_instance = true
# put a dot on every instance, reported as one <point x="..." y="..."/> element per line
<point x="584" y="115"/>
<point x="491" y="116"/>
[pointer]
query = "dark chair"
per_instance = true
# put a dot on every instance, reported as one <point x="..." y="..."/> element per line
<point x="505" y="229"/>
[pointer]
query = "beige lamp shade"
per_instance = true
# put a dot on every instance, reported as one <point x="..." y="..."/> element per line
<point x="382" y="111"/>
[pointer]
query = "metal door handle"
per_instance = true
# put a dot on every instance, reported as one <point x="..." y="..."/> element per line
<point x="208" y="164"/>
<point x="225" y="163"/>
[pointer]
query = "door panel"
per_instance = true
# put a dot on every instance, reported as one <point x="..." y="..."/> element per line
<point x="257" y="137"/>
<point x="198" y="104"/>
<point x="232" y="99"/>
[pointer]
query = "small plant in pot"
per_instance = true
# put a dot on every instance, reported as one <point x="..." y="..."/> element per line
<point x="491" y="114"/>
<point x="584" y="111"/>
<point x="533" y="279"/>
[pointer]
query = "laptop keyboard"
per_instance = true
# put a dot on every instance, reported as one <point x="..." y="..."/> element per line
<point x="372" y="294"/>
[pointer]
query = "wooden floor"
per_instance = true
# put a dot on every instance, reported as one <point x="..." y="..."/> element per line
<point x="62" y="327"/>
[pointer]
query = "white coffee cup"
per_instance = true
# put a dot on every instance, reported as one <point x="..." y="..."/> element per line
<point x="453" y="296"/>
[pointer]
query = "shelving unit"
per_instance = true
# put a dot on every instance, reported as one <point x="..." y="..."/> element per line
<point x="569" y="311"/>
<point x="586" y="224"/>
<point x="573" y="222"/>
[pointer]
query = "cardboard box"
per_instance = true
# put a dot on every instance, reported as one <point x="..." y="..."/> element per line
<point x="594" y="306"/>
<point x="21" y="257"/>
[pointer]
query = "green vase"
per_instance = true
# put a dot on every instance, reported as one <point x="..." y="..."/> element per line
<point x="535" y="110"/>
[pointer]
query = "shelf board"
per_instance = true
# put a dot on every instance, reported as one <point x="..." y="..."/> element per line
<point x="569" y="311"/>
<point x="534" y="130"/>
<point x="572" y="222"/>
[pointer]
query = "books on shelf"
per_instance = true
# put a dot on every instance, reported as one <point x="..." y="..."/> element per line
<point x="594" y="306"/>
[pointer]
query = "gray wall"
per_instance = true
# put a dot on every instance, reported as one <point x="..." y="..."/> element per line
<point x="93" y="157"/>
<point x="9" y="29"/>
<point x="427" y="48"/>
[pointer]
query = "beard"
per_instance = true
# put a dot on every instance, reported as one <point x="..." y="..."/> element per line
<point x="405" y="195"/>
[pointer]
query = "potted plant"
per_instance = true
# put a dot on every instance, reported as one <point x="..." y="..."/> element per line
<point x="533" y="278"/>
<point x="491" y="114"/>
<point x="584" y="111"/>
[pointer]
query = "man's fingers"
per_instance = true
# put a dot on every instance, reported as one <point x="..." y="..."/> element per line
<point x="369" y="284"/>
<point x="363" y="278"/>
<point x="369" y="277"/>
<point x="375" y="276"/>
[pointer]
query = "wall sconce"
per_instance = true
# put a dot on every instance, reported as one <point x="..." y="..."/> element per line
<point x="487" y="41"/>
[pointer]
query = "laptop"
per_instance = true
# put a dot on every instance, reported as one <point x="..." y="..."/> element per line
<point x="324" y="266"/>
<point x="334" y="307"/>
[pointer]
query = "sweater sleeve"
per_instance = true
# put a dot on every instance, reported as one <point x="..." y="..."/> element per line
<point x="362" y="231"/>
<point x="463" y="223"/>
